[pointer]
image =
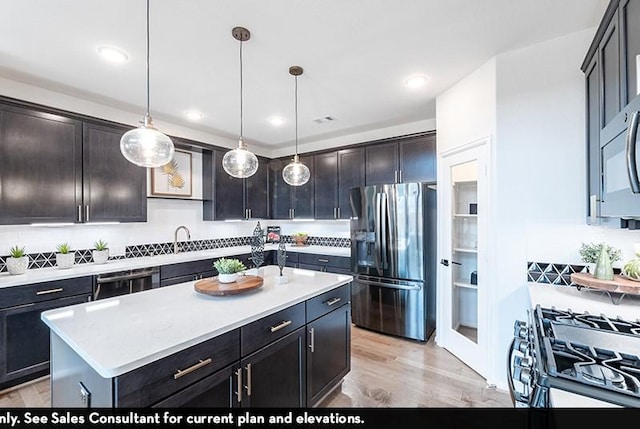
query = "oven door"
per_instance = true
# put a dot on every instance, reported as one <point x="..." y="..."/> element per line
<point x="125" y="282"/>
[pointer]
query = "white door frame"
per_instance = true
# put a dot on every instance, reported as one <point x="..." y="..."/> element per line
<point x="477" y="356"/>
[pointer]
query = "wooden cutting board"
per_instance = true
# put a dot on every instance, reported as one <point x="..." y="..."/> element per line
<point x="213" y="287"/>
<point x="618" y="284"/>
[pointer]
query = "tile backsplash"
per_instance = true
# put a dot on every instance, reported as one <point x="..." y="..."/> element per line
<point x="553" y="273"/>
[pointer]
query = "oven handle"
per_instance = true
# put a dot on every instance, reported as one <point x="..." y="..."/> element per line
<point x="131" y="276"/>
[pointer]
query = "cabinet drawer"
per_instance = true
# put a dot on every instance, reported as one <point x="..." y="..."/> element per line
<point x="328" y="301"/>
<point x="37" y="292"/>
<point x="153" y="382"/>
<point x="185" y="268"/>
<point x="325" y="260"/>
<point x="268" y="329"/>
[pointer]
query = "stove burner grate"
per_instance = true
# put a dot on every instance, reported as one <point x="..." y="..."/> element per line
<point x="586" y="320"/>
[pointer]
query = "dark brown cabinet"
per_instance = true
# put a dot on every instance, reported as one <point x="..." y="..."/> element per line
<point x="275" y="376"/>
<point x="291" y="202"/>
<point x="24" y="338"/>
<point x="40" y="167"/>
<point x="227" y="197"/>
<point x="113" y="188"/>
<point x="335" y="173"/>
<point x="402" y="160"/>
<point x="57" y="169"/>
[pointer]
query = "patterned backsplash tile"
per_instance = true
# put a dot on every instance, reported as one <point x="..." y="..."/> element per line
<point x="85" y="256"/>
<point x="553" y="273"/>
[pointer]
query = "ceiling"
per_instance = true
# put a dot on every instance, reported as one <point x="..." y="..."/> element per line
<point x="356" y="55"/>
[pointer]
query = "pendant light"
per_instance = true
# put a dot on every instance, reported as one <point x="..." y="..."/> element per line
<point x="240" y="162"/>
<point x="296" y="173"/>
<point x="146" y="146"/>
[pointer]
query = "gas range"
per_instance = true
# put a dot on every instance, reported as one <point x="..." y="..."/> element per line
<point x="584" y="355"/>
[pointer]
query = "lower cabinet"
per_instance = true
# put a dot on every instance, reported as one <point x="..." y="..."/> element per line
<point x="274" y="376"/>
<point x="24" y="338"/>
<point x="325" y="263"/>
<point x="328" y="352"/>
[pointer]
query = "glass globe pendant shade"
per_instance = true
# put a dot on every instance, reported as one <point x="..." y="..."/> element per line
<point x="296" y="173"/>
<point x="146" y="146"/>
<point x="239" y="162"/>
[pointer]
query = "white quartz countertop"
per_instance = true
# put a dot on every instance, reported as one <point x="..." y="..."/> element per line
<point x="80" y="270"/>
<point x="584" y="300"/>
<point x="119" y="334"/>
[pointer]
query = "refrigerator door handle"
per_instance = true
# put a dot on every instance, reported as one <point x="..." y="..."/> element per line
<point x="377" y="244"/>
<point x="375" y="282"/>
<point x="384" y="216"/>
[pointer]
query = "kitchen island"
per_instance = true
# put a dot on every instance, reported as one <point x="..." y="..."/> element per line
<point x="173" y="346"/>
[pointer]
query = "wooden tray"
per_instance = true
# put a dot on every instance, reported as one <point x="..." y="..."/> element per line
<point x="619" y="284"/>
<point x="213" y="287"/>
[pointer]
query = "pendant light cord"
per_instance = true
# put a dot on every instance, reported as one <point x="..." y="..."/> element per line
<point x="241" y="110"/>
<point x="296" y="115"/>
<point x="148" y="58"/>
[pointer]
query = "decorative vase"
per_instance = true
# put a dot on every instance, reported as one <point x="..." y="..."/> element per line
<point x="100" y="256"/>
<point x="604" y="269"/>
<point x="227" y="278"/>
<point x="65" y="260"/>
<point x="17" y="265"/>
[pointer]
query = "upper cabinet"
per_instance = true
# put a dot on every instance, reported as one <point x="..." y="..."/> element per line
<point x="291" y="202"/>
<point x="227" y="197"/>
<point x="611" y="88"/>
<point x="113" y="188"/>
<point x="335" y="173"/>
<point x="53" y="169"/>
<point x="402" y="160"/>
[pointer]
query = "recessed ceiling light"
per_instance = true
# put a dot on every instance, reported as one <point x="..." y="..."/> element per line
<point x="112" y="54"/>
<point x="415" y="81"/>
<point x="193" y="115"/>
<point x="276" y="121"/>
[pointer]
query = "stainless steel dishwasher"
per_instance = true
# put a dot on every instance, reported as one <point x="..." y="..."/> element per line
<point x="125" y="282"/>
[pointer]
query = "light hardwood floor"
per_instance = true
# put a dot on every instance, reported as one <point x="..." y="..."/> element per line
<point x="385" y="372"/>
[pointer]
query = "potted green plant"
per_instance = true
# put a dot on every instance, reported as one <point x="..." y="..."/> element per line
<point x="228" y="269"/>
<point x="589" y="252"/>
<point x="300" y="238"/>
<point x="100" y="252"/>
<point x="65" y="258"/>
<point x="18" y="261"/>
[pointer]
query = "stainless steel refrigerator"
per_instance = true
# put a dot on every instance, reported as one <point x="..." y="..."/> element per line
<point x="393" y="259"/>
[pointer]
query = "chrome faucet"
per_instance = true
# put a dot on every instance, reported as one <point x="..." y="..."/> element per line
<point x="175" y="237"/>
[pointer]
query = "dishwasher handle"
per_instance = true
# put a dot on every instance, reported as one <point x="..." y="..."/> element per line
<point x="126" y="275"/>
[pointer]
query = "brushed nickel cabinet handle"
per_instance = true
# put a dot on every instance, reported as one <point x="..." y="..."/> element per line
<point x="323" y="260"/>
<point x="248" y="386"/>
<point x="79" y="213"/>
<point x="45" y="292"/>
<point x="338" y="213"/>
<point x="183" y="372"/>
<point x="239" y="382"/>
<point x="400" y="176"/>
<point x="333" y="301"/>
<point x="395" y="176"/>
<point x="86" y="213"/>
<point x="312" y="340"/>
<point x="280" y="326"/>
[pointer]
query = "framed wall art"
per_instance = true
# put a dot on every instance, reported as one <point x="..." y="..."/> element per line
<point x="175" y="178"/>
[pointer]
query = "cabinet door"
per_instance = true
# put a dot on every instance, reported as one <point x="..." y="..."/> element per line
<point x="217" y="390"/>
<point x="114" y="189"/>
<point x="274" y="376"/>
<point x="24" y="340"/>
<point x="381" y="163"/>
<point x="350" y="174"/>
<point x="40" y="167"/>
<point x="257" y="191"/>
<point x="418" y="159"/>
<point x="228" y="192"/>
<point x="328" y="352"/>
<point x="609" y="58"/>
<point x="629" y="15"/>
<point x="302" y="196"/>
<point x="592" y="81"/>
<point x="326" y="185"/>
<point x="280" y="191"/>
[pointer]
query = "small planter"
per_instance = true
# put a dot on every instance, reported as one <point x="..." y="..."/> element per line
<point x="300" y="240"/>
<point x="227" y="278"/>
<point x="17" y="265"/>
<point x="65" y="260"/>
<point x="100" y="256"/>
